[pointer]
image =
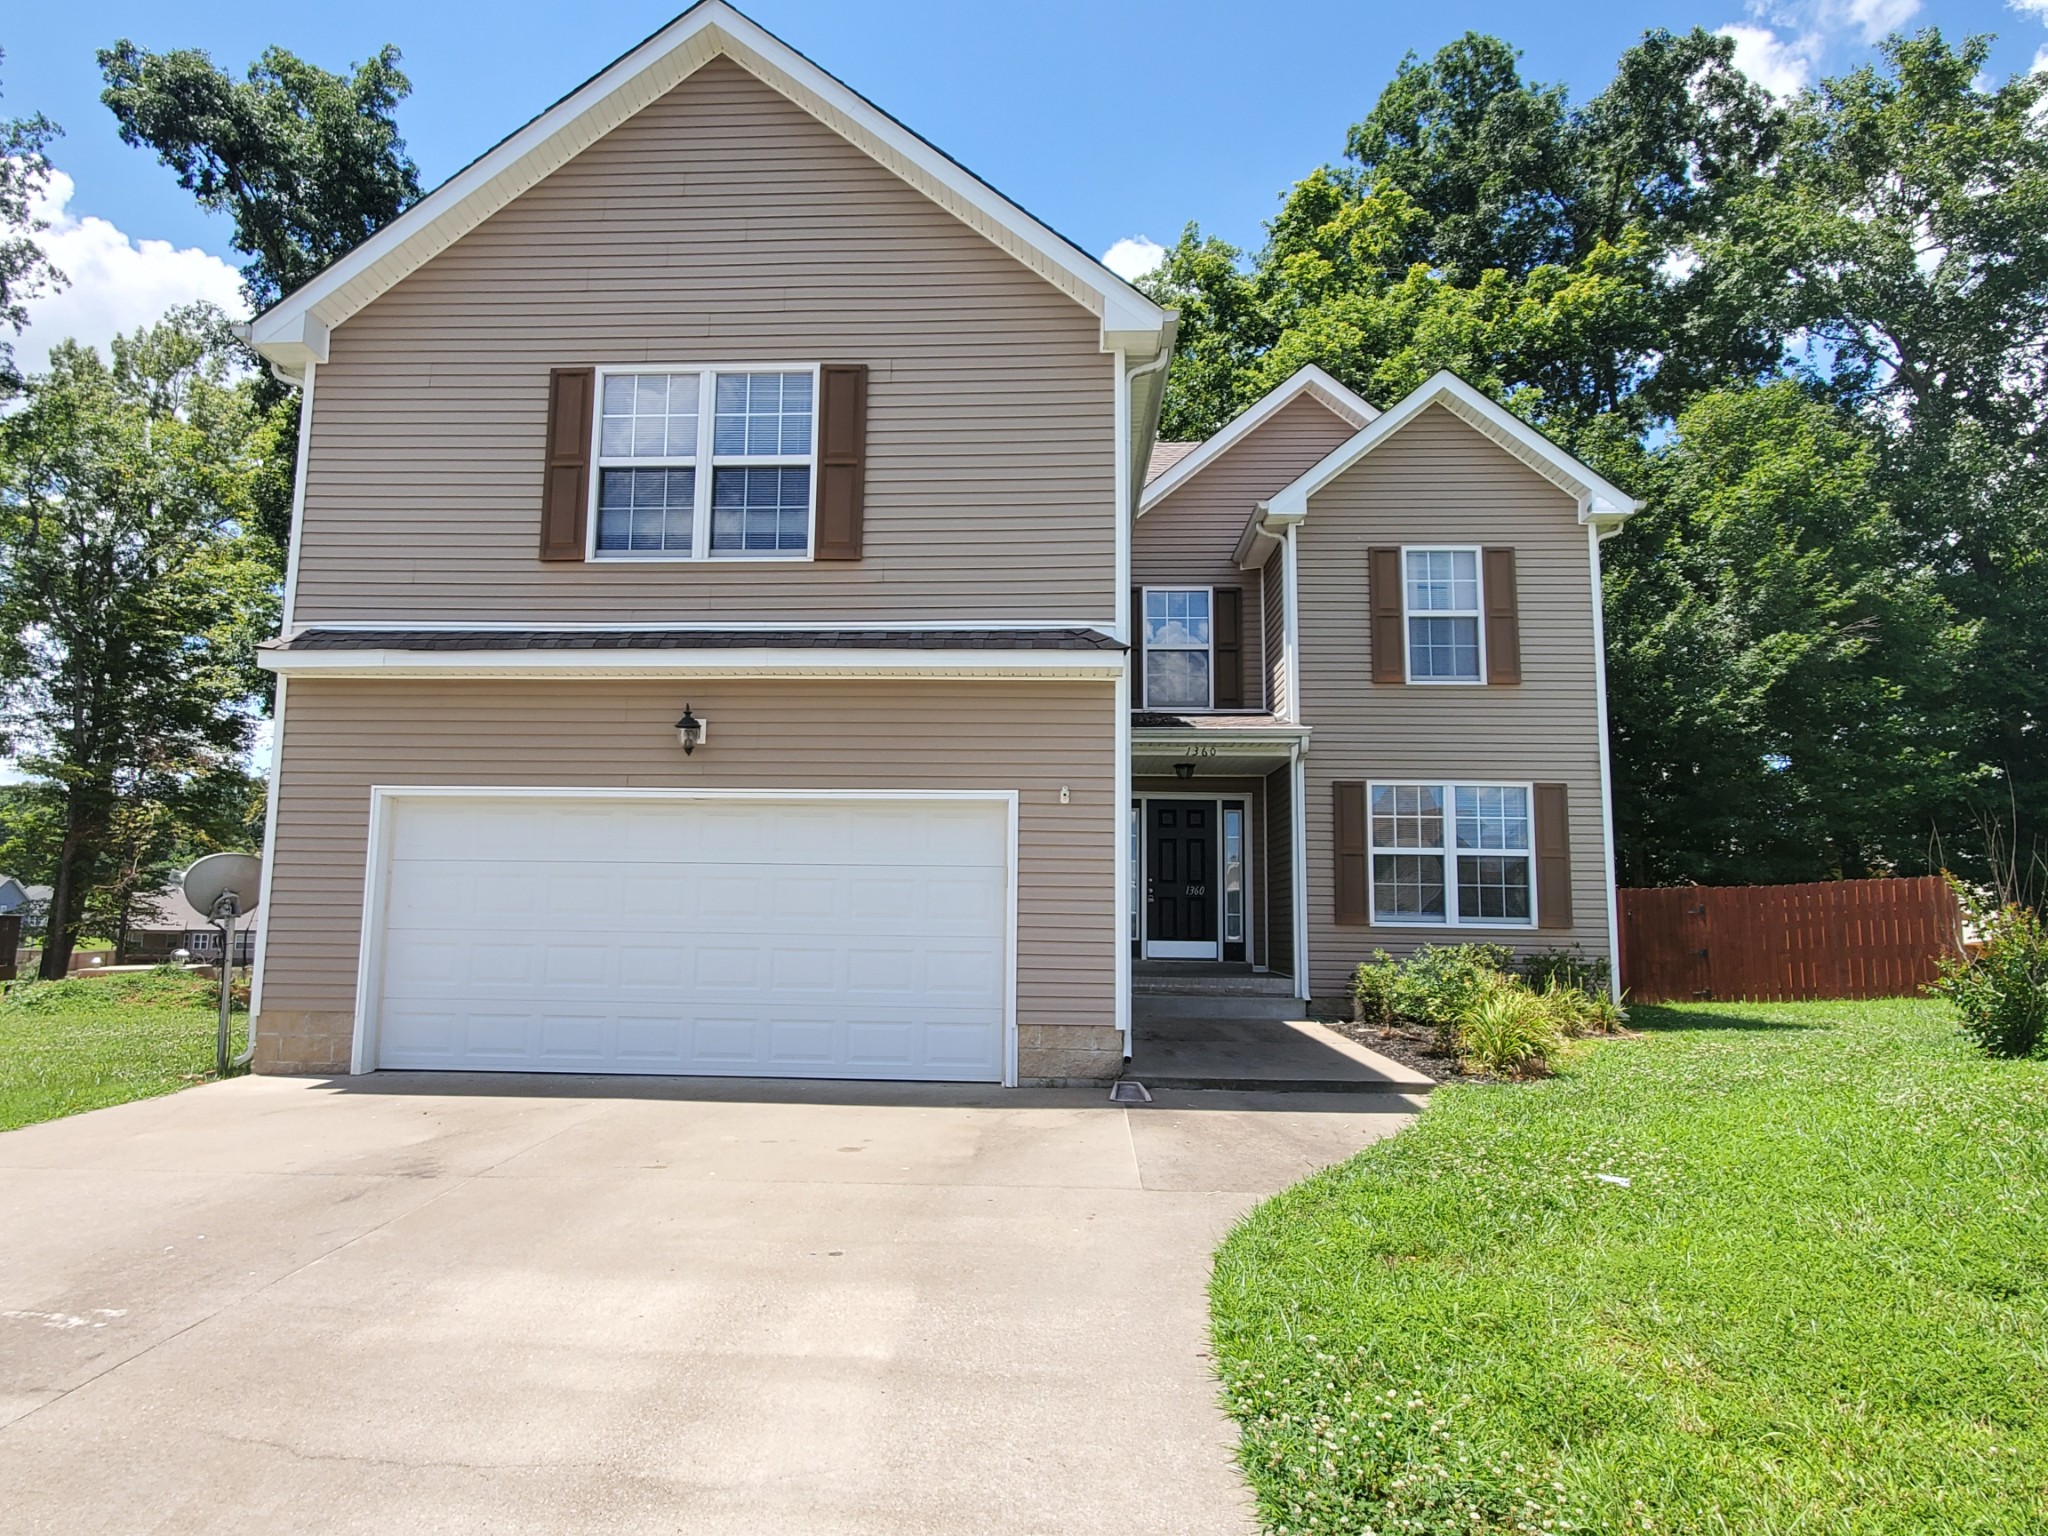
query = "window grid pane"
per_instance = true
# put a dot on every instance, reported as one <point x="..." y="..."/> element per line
<point x="649" y="416"/>
<point x="645" y="511"/>
<point x="1177" y="620"/>
<point x="1177" y="679"/>
<point x="1493" y="816"/>
<point x="1444" y="648"/>
<point x="1490" y="887"/>
<point x="760" y="511"/>
<point x="1407" y="816"/>
<point x="1443" y="581"/>
<point x="763" y="415"/>
<point x="1408" y="885"/>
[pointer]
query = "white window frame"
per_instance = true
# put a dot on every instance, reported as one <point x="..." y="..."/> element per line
<point x="1478" y="554"/>
<point x="1449" y="852"/>
<point x="1145" y="660"/>
<point x="705" y="462"/>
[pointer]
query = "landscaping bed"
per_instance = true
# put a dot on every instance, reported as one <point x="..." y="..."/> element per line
<point x="1762" y="1268"/>
<point x="92" y="1041"/>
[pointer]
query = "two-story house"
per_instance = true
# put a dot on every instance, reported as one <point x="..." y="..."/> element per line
<point x="739" y="621"/>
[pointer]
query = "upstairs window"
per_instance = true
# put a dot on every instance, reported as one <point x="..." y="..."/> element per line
<point x="1440" y="588"/>
<point x="1178" y="638"/>
<point x="696" y="464"/>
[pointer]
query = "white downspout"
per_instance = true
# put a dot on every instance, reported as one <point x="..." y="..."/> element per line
<point x="1126" y="508"/>
<point x="1299" y="769"/>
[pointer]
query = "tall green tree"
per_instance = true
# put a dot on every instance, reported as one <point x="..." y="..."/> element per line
<point x="25" y="268"/>
<point x="307" y="163"/>
<point x="131" y="590"/>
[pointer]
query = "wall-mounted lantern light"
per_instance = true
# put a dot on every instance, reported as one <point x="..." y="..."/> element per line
<point x="689" y="731"/>
<point x="1183" y="770"/>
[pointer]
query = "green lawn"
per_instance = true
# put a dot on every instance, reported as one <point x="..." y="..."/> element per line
<point x="1816" y="1306"/>
<point x="72" y="1045"/>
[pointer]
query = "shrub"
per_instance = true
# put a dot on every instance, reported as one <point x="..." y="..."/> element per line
<point x="1570" y="968"/>
<point x="1375" y="989"/>
<point x="1509" y="1030"/>
<point x="2002" y="993"/>
<point x="1440" y="982"/>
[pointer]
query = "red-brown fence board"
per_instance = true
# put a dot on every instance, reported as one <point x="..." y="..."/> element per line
<point x="1786" y="943"/>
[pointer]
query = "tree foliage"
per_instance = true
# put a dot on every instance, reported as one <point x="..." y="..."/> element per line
<point x="25" y="269"/>
<point x="1812" y="335"/>
<point x="131" y="593"/>
<point x="307" y="163"/>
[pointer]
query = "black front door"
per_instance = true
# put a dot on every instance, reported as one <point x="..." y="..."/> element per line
<point x="1180" y="886"/>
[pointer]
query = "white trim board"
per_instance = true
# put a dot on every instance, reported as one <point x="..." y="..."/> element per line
<point x="1310" y="381"/>
<point x="377" y="875"/>
<point x="295" y="330"/>
<point x="1600" y="503"/>
<point x="764" y="661"/>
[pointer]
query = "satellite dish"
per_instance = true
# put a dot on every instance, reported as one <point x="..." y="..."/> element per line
<point x="223" y="874"/>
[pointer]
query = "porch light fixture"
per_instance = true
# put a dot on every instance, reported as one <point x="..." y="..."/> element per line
<point x="1183" y="770"/>
<point x="689" y="731"/>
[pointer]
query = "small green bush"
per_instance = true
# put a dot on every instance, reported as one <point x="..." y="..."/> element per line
<point x="2002" y="993"/>
<point x="165" y="986"/>
<point x="1376" y="990"/>
<point x="1440" y="982"/>
<point x="1508" y="1030"/>
<point x="1568" y="967"/>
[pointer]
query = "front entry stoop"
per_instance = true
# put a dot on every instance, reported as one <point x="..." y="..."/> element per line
<point x="1255" y="1054"/>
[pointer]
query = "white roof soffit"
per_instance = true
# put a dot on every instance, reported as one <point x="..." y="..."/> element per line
<point x="294" y="331"/>
<point x="1600" y="503"/>
<point x="1311" y="381"/>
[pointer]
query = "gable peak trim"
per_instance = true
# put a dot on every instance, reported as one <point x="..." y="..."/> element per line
<point x="293" y="331"/>
<point x="1310" y="381"/>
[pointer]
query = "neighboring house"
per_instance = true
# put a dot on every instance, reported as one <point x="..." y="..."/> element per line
<point x="729" y="630"/>
<point x="170" y="923"/>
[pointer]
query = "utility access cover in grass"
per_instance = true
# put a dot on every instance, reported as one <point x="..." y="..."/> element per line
<point x="1816" y="1304"/>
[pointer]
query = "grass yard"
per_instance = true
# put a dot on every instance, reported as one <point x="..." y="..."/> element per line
<point x="1818" y="1304"/>
<point x="67" y="1046"/>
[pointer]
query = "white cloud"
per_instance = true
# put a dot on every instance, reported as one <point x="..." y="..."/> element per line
<point x="1780" y="67"/>
<point x="2038" y="9"/>
<point x="117" y="283"/>
<point x="1134" y="255"/>
<point x="1875" y="18"/>
<point x="2040" y="60"/>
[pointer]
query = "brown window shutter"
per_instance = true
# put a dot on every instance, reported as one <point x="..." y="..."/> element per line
<point x="1350" y="849"/>
<point x="1553" y="857"/>
<point x="1227" y="639"/>
<point x="565" y="493"/>
<point x="1503" y="618"/>
<point x="842" y="458"/>
<point x="1137" y="647"/>
<point x="1383" y="592"/>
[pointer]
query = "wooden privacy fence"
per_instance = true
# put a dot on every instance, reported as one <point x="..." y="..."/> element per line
<point x="1786" y="943"/>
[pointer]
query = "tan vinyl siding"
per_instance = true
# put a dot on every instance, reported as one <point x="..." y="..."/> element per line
<point x="721" y="224"/>
<point x="1439" y="481"/>
<point x="1279" y="924"/>
<point x="342" y="736"/>
<point x="1273" y="608"/>
<point x="1189" y="539"/>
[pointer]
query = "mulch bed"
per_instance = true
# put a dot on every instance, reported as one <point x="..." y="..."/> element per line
<point x="1410" y="1046"/>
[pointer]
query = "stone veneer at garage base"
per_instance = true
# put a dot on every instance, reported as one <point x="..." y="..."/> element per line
<point x="345" y="735"/>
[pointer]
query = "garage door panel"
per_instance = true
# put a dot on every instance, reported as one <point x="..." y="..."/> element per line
<point x="827" y="938"/>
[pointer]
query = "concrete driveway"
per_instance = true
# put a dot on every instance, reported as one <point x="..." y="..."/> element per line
<point x="413" y="1303"/>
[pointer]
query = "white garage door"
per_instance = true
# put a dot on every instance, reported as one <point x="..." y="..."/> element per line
<point x="731" y="936"/>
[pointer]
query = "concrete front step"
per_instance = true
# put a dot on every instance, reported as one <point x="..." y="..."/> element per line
<point x="1147" y="1006"/>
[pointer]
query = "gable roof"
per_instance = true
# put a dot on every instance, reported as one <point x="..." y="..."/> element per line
<point x="1600" y="503"/>
<point x="1165" y="456"/>
<point x="1310" y="381"/>
<point x="294" y="331"/>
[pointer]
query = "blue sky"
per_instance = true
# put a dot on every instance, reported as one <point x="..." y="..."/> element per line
<point x="1109" y="121"/>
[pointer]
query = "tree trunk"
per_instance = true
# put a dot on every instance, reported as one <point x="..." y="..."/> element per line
<point x="82" y="830"/>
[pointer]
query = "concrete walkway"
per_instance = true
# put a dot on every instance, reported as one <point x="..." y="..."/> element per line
<point x="425" y="1304"/>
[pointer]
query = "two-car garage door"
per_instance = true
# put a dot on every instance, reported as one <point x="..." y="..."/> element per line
<point x="731" y="935"/>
